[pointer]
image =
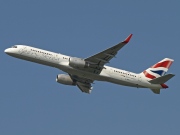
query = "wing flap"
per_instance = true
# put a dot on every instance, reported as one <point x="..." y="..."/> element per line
<point x="162" y="79"/>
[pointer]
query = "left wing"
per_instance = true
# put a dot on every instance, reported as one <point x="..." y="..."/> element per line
<point x="83" y="84"/>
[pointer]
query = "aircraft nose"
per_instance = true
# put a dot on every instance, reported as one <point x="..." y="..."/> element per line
<point x="6" y="50"/>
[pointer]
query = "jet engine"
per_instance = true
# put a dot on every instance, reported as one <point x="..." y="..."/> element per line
<point x="65" y="79"/>
<point x="78" y="63"/>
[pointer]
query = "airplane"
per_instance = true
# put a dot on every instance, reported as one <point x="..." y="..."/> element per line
<point x="83" y="72"/>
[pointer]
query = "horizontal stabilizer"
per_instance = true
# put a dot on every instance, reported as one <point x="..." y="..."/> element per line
<point x="156" y="91"/>
<point x="162" y="79"/>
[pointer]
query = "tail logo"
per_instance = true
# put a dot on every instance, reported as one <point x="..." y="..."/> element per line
<point x="159" y="69"/>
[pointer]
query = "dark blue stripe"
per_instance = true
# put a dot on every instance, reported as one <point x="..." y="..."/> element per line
<point x="159" y="72"/>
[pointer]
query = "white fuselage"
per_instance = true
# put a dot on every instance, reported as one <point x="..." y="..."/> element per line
<point x="108" y="74"/>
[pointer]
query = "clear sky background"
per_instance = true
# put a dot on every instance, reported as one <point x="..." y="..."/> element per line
<point x="32" y="103"/>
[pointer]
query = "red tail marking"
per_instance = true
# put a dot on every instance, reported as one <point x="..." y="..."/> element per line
<point x="148" y="75"/>
<point x="165" y="64"/>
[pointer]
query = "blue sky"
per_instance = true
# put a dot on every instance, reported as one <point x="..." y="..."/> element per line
<point x="31" y="102"/>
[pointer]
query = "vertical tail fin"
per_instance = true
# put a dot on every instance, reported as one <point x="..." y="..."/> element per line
<point x="159" y="69"/>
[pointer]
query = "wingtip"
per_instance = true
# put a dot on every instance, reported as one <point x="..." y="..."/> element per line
<point x="127" y="39"/>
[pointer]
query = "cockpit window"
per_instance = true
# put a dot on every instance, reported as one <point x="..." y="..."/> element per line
<point x="14" y="46"/>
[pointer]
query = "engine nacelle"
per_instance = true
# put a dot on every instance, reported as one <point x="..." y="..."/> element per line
<point x="78" y="63"/>
<point x="65" y="79"/>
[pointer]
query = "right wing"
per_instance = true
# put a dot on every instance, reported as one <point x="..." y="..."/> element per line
<point x="98" y="61"/>
<point x="106" y="55"/>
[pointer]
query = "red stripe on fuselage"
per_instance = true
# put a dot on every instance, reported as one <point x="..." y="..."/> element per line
<point x="165" y="64"/>
<point x="148" y="75"/>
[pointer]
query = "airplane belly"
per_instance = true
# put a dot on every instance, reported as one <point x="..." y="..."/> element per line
<point x="66" y="68"/>
<point x="121" y="82"/>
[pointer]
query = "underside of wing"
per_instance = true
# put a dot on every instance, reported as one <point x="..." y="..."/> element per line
<point x="96" y="64"/>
